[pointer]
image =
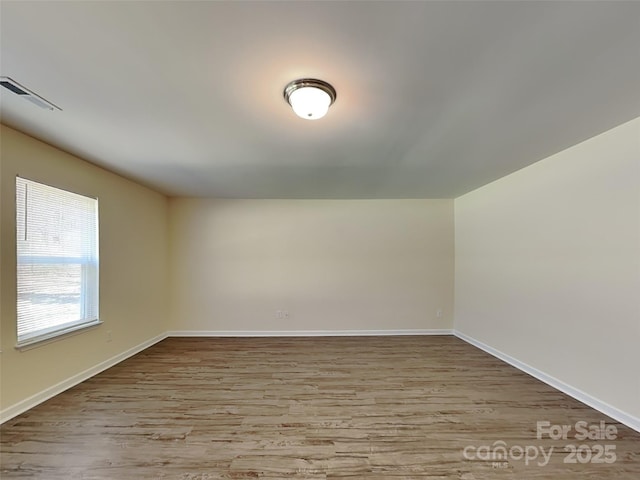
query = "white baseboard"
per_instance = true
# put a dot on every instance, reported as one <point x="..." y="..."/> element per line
<point x="304" y="333"/>
<point x="24" y="405"/>
<point x="603" y="407"/>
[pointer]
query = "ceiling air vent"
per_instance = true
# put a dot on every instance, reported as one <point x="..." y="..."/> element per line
<point x="27" y="94"/>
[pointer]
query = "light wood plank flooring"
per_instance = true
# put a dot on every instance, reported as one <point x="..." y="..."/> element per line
<point x="310" y="408"/>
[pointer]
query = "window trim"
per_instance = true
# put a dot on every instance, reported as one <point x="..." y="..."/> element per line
<point x="56" y="335"/>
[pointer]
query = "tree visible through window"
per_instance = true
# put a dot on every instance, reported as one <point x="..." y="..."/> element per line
<point x="57" y="261"/>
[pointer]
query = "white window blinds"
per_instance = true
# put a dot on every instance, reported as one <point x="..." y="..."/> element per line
<point x="57" y="261"/>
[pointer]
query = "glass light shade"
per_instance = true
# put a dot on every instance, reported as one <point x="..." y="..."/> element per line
<point x="310" y="103"/>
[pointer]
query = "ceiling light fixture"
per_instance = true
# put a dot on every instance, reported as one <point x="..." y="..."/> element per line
<point x="310" y="98"/>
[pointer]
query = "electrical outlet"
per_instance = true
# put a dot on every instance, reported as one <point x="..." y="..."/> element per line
<point x="439" y="313"/>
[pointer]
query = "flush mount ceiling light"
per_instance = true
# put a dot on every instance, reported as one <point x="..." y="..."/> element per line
<point x="310" y="98"/>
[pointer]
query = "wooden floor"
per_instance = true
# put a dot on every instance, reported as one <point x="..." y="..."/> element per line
<point x="314" y="408"/>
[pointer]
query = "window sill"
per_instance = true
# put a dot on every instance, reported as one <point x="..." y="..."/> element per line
<point x="55" y="336"/>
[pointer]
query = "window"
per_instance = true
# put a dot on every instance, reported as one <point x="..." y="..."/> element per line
<point x="57" y="261"/>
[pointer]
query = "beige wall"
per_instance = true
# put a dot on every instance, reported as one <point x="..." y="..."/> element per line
<point x="133" y="267"/>
<point x="548" y="266"/>
<point x="332" y="264"/>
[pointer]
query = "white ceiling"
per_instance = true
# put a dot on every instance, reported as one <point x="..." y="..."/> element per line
<point x="434" y="98"/>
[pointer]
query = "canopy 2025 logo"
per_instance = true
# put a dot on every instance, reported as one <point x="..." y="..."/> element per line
<point x="499" y="453"/>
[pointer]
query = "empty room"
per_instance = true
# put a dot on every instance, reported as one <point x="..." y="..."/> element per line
<point x="319" y="240"/>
